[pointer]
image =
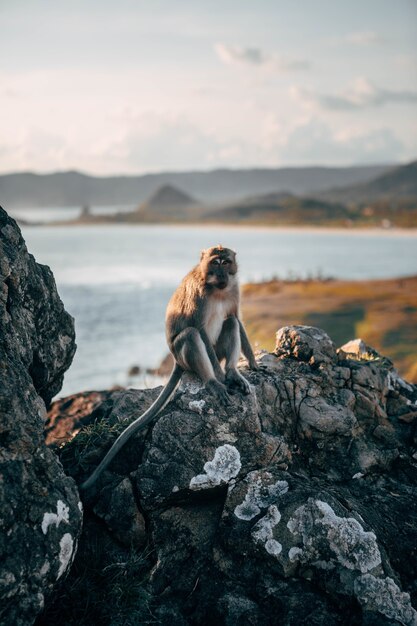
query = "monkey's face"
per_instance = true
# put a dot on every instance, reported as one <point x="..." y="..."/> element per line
<point x="219" y="266"/>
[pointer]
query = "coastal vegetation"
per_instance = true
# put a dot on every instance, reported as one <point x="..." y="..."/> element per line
<point x="381" y="312"/>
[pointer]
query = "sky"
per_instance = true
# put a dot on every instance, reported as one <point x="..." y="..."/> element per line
<point x="130" y="87"/>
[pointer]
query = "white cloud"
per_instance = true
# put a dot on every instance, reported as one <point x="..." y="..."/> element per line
<point x="121" y="130"/>
<point x="32" y="149"/>
<point x="155" y="143"/>
<point x="361" y="94"/>
<point x="234" y="54"/>
<point x="255" y="57"/>
<point x="365" y="38"/>
<point x="317" y="143"/>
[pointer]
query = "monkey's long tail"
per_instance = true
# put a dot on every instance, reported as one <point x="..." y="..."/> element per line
<point x="138" y="424"/>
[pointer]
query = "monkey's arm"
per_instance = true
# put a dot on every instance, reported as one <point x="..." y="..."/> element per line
<point x="212" y="356"/>
<point x="138" y="424"/>
<point x="246" y="347"/>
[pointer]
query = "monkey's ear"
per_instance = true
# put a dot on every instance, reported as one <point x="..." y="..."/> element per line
<point x="202" y="254"/>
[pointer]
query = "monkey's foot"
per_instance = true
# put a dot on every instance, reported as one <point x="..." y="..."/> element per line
<point x="218" y="389"/>
<point x="236" y="382"/>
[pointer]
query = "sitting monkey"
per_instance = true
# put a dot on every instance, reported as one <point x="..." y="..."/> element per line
<point x="202" y="329"/>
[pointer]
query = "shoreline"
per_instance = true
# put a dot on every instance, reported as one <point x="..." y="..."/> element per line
<point x="359" y="230"/>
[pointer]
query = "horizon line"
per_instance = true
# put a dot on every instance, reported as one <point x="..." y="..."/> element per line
<point x="204" y="171"/>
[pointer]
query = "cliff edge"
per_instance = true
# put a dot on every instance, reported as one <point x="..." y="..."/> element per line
<point x="40" y="514"/>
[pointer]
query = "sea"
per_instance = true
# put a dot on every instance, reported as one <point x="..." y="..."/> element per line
<point x="116" y="279"/>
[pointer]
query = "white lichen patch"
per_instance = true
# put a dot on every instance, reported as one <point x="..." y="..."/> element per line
<point x="45" y="568"/>
<point x="384" y="596"/>
<point x="191" y="385"/>
<point x="66" y="548"/>
<point x="294" y="554"/>
<point x="7" y="578"/>
<point x="61" y="515"/>
<point x="273" y="547"/>
<point x="354" y="547"/>
<point x="197" y="405"/>
<point x="223" y="468"/>
<point x="259" y="495"/>
<point x="263" y="531"/>
<point x="344" y="537"/>
<point x="39" y="600"/>
<point x="80" y="506"/>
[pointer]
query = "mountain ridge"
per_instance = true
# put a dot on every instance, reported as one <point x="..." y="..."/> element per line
<point x="73" y="188"/>
<point x="397" y="183"/>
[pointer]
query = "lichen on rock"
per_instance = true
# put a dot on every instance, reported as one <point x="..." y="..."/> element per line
<point x="260" y="493"/>
<point x="66" y="549"/>
<point x="348" y="544"/>
<point x="383" y="596"/>
<point x="61" y="515"/>
<point x="225" y="465"/>
<point x="263" y="531"/>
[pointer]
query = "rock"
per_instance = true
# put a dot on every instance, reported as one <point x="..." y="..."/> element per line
<point x="40" y="509"/>
<point x="35" y="326"/>
<point x="356" y="347"/>
<point x="67" y="415"/>
<point x="305" y="343"/>
<point x="295" y="504"/>
<point x="129" y="528"/>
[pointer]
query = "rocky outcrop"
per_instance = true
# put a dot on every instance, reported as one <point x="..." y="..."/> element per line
<point x="68" y="415"/>
<point x="293" y="505"/>
<point x="40" y="512"/>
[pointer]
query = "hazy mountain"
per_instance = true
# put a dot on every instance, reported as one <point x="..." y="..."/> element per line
<point x="399" y="183"/>
<point x="168" y="197"/>
<point x="280" y="208"/>
<point x="76" y="189"/>
<point x="167" y="202"/>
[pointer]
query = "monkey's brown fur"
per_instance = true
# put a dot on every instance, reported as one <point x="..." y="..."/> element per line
<point x="202" y="329"/>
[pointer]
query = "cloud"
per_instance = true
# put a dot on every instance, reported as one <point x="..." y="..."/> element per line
<point x="154" y="142"/>
<point x="233" y="54"/>
<point x="361" y="94"/>
<point x="255" y="57"/>
<point x="365" y="38"/>
<point x="316" y="143"/>
<point x="29" y="146"/>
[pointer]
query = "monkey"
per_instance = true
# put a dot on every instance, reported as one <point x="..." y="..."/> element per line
<point x="203" y="329"/>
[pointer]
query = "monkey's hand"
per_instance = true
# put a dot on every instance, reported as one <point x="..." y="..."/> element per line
<point x="218" y="389"/>
<point x="253" y="365"/>
<point x="236" y="382"/>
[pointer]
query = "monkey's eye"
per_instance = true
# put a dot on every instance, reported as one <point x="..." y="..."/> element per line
<point x="225" y="262"/>
<point x="216" y="261"/>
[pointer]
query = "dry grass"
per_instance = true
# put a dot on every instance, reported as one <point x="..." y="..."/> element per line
<point x="382" y="312"/>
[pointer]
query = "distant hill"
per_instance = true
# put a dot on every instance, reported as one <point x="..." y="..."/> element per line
<point x="399" y="183"/>
<point x="168" y="197"/>
<point x="281" y="208"/>
<point x="217" y="186"/>
<point x="167" y="203"/>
